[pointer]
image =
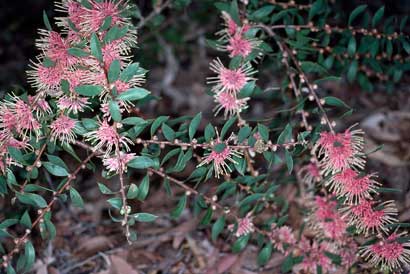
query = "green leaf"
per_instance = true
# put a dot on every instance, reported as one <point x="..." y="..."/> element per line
<point x="55" y="170"/>
<point x="46" y="21"/>
<point x="30" y="255"/>
<point x="115" y="111"/>
<point x="88" y="90"/>
<point x="262" y="12"/>
<point x="115" y="202"/>
<point x="133" y="121"/>
<point x="144" y="188"/>
<point x="265" y="254"/>
<point x="218" y="227"/>
<point x="106" y="24"/>
<point x="264" y="132"/>
<point x="104" y="189"/>
<point x="244" y="133"/>
<point x="352" y="71"/>
<point x="377" y="16"/>
<point x="251" y="198"/>
<point x="76" y="198"/>
<point x="133" y="94"/>
<point x="240" y="243"/>
<point x="286" y="135"/>
<point x="114" y="71"/>
<point x="336" y="102"/>
<point x="193" y="126"/>
<point x="32" y="199"/>
<point x="132" y="191"/>
<point x="234" y="12"/>
<point x="26" y="220"/>
<point x="157" y="123"/>
<point x="168" y="132"/>
<point x="207" y="217"/>
<point x="356" y="13"/>
<point x="141" y="162"/>
<point x="144" y="217"/>
<point x="180" y="207"/>
<point x="115" y="33"/>
<point x="95" y="46"/>
<point x="227" y="126"/>
<point x="289" y="262"/>
<point x="289" y="161"/>
<point x="309" y="67"/>
<point x="130" y="71"/>
<point x="77" y="52"/>
<point x="351" y="47"/>
<point x="209" y="132"/>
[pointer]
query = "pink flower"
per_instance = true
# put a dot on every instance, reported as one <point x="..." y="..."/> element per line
<point x="94" y="17"/>
<point x="73" y="103"/>
<point x="241" y="46"/>
<point x="230" y="80"/>
<point x="352" y="186"/>
<point x="368" y="218"/>
<point x="388" y="252"/>
<point x="245" y="226"/>
<point x="219" y="156"/>
<point x="310" y="174"/>
<point x="282" y="237"/>
<point x="46" y="78"/>
<point x="62" y="129"/>
<point x="19" y="116"/>
<point x="107" y="136"/>
<point x="229" y="103"/>
<point x="40" y="106"/>
<point x="114" y="163"/>
<point x="313" y="257"/>
<point x="341" y="150"/>
<point x="327" y="220"/>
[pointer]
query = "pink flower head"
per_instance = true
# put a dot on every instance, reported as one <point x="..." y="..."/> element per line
<point x="73" y="103"/>
<point x="327" y="220"/>
<point x="245" y="226"/>
<point x="389" y="252"/>
<point x="76" y="13"/>
<point x="62" y="129"/>
<point x="368" y="218"/>
<point x="24" y="121"/>
<point x="341" y="150"/>
<point x="230" y="27"/>
<point x="114" y="163"/>
<point x="310" y="174"/>
<point x="40" y="106"/>
<point x="282" y="237"/>
<point x="230" y="80"/>
<point x="107" y="136"/>
<point x="238" y="45"/>
<point x="94" y="17"/>
<point x="229" y="103"/>
<point x="351" y="185"/>
<point x="314" y="255"/>
<point x="219" y="156"/>
<point x="46" y="78"/>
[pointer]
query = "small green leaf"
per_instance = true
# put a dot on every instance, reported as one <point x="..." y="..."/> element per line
<point x="115" y="111"/>
<point x="32" y="199"/>
<point x="26" y="220"/>
<point x="141" y="162"/>
<point x="352" y="71"/>
<point x="227" y="126"/>
<point x="132" y="191"/>
<point x="76" y="198"/>
<point x="55" y="170"/>
<point x="95" y="46"/>
<point x="351" y="47"/>
<point x="104" y="189"/>
<point x="218" y="227"/>
<point x="264" y="132"/>
<point x="336" y="102"/>
<point x="46" y="21"/>
<point x="193" y="126"/>
<point x="289" y="161"/>
<point x="133" y="94"/>
<point x="240" y="243"/>
<point x="168" y="132"/>
<point x="115" y="202"/>
<point x="144" y="217"/>
<point x="115" y="33"/>
<point x="114" y="71"/>
<point x="286" y="135"/>
<point x="88" y="90"/>
<point x="262" y="12"/>
<point x="77" y="52"/>
<point x="356" y="13"/>
<point x="377" y="16"/>
<point x="180" y="207"/>
<point x="265" y="254"/>
<point x="209" y="132"/>
<point x="30" y="255"/>
<point x="244" y="133"/>
<point x="106" y="24"/>
<point x="144" y="188"/>
<point x="157" y="123"/>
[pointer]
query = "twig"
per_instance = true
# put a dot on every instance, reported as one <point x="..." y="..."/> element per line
<point x="156" y="11"/>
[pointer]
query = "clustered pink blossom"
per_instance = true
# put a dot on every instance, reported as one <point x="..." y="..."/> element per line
<point x="282" y="237"/>
<point x="244" y="226"/>
<point x="114" y="163"/>
<point x="62" y="129"/>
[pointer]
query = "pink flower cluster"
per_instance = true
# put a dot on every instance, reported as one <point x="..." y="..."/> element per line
<point x="230" y="81"/>
<point x="341" y="163"/>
